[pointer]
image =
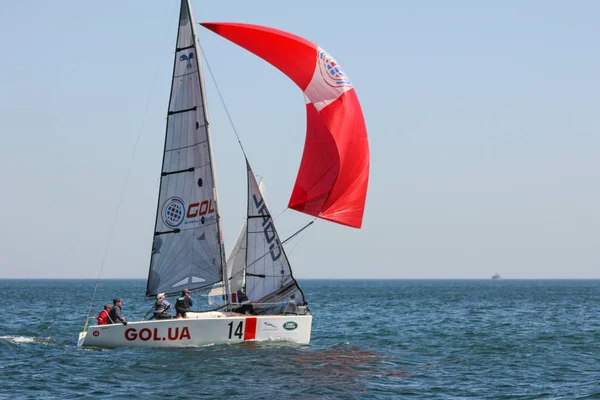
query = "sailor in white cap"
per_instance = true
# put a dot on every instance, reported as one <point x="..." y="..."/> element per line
<point x="161" y="307"/>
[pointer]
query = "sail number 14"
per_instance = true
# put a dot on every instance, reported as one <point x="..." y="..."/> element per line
<point x="239" y="329"/>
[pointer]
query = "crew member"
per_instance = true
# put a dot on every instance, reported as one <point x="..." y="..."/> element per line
<point x="246" y="307"/>
<point x="114" y="315"/>
<point x="103" y="316"/>
<point x="161" y="307"/>
<point x="183" y="303"/>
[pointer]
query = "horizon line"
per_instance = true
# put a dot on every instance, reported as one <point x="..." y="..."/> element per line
<point x="320" y="279"/>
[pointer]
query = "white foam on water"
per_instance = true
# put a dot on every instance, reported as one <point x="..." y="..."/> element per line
<point x="27" y="339"/>
<point x="18" y="339"/>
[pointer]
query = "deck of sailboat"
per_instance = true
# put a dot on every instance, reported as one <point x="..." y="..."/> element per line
<point x="226" y="314"/>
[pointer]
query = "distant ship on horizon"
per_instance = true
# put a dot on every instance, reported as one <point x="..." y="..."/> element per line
<point x="496" y="276"/>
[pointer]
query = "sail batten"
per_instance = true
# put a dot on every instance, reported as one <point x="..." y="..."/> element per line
<point x="188" y="249"/>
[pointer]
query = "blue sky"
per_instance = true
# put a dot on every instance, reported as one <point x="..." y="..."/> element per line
<point x="482" y="120"/>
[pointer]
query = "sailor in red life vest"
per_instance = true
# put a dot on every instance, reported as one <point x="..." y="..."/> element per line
<point x="103" y="316"/>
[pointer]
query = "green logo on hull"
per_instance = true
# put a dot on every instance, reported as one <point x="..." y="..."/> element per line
<point x="290" y="326"/>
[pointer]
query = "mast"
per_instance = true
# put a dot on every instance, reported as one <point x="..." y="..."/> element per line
<point x="248" y="171"/>
<point x="211" y="152"/>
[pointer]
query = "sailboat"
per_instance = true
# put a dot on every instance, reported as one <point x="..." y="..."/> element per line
<point x="188" y="250"/>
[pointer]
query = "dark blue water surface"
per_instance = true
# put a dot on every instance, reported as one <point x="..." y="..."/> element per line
<point x="370" y="340"/>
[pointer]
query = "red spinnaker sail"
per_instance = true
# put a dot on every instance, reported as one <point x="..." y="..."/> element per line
<point x="334" y="171"/>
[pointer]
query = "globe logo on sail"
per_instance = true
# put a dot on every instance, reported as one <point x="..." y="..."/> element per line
<point x="173" y="212"/>
<point x="331" y="71"/>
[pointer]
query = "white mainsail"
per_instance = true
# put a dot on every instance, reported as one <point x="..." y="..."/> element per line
<point x="187" y="251"/>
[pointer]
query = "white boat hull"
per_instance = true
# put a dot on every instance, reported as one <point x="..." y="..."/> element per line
<point x="199" y="329"/>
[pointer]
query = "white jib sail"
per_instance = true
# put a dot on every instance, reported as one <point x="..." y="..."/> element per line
<point x="269" y="280"/>
<point x="236" y="263"/>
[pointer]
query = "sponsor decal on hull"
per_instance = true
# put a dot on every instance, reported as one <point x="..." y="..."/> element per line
<point x="290" y="326"/>
<point x="147" y="334"/>
<point x="268" y="326"/>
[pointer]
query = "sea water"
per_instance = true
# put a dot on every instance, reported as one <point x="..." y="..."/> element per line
<point x="392" y="339"/>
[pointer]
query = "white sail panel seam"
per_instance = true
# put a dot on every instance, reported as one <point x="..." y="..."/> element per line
<point x="187" y="147"/>
<point x="184" y="75"/>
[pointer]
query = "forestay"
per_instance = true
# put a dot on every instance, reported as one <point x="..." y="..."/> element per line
<point x="187" y="250"/>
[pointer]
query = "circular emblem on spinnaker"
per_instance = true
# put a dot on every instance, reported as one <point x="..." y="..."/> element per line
<point x="331" y="71"/>
<point x="173" y="212"/>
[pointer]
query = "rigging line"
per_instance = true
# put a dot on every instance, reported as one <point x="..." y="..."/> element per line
<point x="280" y="214"/>
<point x="110" y="235"/>
<point x="301" y="229"/>
<point x="295" y="229"/>
<point x="301" y="236"/>
<point x="212" y="76"/>
<point x="282" y="243"/>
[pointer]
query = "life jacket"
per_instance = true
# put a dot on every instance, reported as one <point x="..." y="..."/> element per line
<point x="159" y="307"/>
<point x="103" y="317"/>
<point x="180" y="304"/>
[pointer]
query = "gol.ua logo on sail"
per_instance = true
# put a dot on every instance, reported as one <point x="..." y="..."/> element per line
<point x="175" y="211"/>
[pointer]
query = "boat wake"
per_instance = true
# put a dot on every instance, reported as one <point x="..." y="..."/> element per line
<point x="27" y="339"/>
